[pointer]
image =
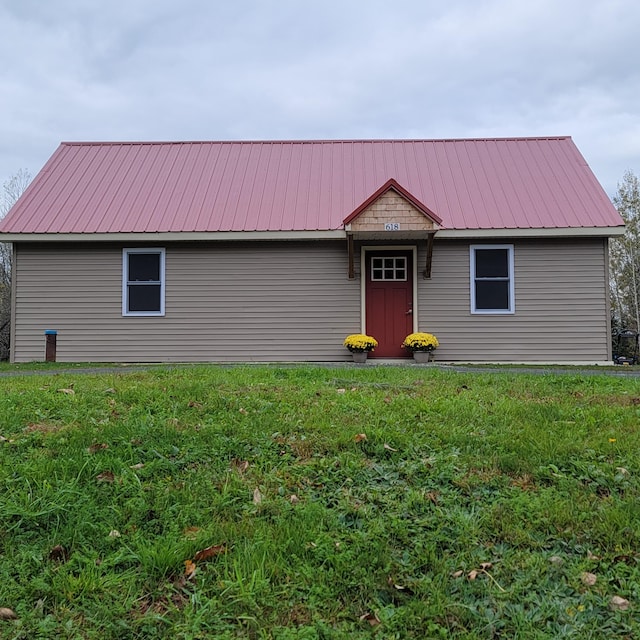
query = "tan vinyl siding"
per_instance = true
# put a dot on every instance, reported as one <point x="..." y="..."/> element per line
<point x="293" y="301"/>
<point x="560" y="297"/>
<point x="224" y="302"/>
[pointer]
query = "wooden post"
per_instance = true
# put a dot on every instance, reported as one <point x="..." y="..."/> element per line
<point x="350" y="251"/>
<point x="427" y="267"/>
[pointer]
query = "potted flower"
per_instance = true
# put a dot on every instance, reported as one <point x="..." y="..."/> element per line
<point x="422" y="345"/>
<point x="360" y="344"/>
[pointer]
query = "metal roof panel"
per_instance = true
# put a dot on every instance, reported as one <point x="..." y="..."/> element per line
<point x="119" y="187"/>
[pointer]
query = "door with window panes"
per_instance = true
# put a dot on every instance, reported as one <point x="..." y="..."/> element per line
<point x="389" y="301"/>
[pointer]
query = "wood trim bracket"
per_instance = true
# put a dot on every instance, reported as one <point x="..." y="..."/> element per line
<point x="426" y="274"/>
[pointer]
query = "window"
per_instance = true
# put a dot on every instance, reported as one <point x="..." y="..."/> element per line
<point x="143" y="282"/>
<point x="391" y="268"/>
<point x="492" y="289"/>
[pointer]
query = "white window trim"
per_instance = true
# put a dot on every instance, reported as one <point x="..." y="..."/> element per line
<point x="472" y="272"/>
<point x="125" y="272"/>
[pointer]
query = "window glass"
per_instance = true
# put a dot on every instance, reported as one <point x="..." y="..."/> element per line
<point x="144" y="267"/>
<point x="492" y="263"/>
<point x="492" y="295"/>
<point x="144" y="297"/>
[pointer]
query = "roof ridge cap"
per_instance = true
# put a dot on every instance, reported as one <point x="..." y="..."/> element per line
<point x="106" y="143"/>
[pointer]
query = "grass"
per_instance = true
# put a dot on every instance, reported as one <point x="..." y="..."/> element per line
<point x="308" y="502"/>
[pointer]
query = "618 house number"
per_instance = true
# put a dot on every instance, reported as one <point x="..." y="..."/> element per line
<point x="392" y="226"/>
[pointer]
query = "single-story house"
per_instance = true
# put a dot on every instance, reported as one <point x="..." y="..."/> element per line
<point x="277" y="250"/>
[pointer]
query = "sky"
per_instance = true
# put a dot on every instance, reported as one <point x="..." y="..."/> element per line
<point x="81" y="70"/>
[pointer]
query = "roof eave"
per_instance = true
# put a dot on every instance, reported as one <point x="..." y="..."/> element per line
<point x="329" y="234"/>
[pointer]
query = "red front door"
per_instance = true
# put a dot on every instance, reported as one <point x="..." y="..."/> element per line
<point x="389" y="301"/>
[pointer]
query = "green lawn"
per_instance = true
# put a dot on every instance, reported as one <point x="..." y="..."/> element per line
<point x="310" y="502"/>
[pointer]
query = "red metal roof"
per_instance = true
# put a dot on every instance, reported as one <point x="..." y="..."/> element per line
<point x="111" y="187"/>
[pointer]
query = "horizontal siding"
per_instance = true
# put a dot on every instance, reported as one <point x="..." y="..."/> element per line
<point x="293" y="302"/>
<point x="561" y="305"/>
<point x="251" y="302"/>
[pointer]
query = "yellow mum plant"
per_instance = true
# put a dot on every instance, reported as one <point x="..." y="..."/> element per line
<point x="359" y="342"/>
<point x="421" y="342"/>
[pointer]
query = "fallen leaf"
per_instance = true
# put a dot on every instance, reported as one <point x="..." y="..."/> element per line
<point x="626" y="559"/>
<point x="98" y="446"/>
<point x="209" y="552"/>
<point x="257" y="496"/>
<point x="388" y="447"/>
<point x="195" y="405"/>
<point x="473" y="574"/>
<point x="110" y="390"/>
<point x="588" y="579"/>
<point x="591" y="556"/>
<point x="341" y="390"/>
<point x="59" y="554"/>
<point x="7" y="614"/>
<point x="486" y="565"/>
<point x="191" y="532"/>
<point x="105" y="476"/>
<point x="189" y="569"/>
<point x="618" y="604"/>
<point x="359" y="437"/>
<point x="432" y="496"/>
<point x="622" y="471"/>
<point x="114" y="533"/>
<point x="556" y="560"/>
<point x="371" y="618"/>
<point x="293" y="499"/>
<point x="140" y="465"/>
<point x="242" y="410"/>
<point x="69" y="392"/>
<point x="239" y="465"/>
<point x="457" y="574"/>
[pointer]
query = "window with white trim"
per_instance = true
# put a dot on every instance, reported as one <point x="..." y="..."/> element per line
<point x="492" y="286"/>
<point x="143" y="282"/>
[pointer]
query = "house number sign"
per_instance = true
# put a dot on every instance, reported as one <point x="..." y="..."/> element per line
<point x="392" y="226"/>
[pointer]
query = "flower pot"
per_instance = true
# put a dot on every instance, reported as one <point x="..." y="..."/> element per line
<point x="359" y="356"/>
<point x="422" y="357"/>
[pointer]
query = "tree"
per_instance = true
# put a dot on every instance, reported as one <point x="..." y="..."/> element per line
<point x="11" y="191"/>
<point x="624" y="253"/>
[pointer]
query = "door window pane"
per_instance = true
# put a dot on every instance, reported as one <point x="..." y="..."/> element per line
<point x="389" y="268"/>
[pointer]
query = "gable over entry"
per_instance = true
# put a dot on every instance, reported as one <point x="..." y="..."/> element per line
<point x="392" y="213"/>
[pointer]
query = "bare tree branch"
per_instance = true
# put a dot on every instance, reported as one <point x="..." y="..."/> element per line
<point x="11" y="191"/>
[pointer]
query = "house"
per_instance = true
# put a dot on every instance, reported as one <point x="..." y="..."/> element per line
<point x="275" y="251"/>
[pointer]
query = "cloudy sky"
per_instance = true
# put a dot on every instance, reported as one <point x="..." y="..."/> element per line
<point x="303" y="69"/>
